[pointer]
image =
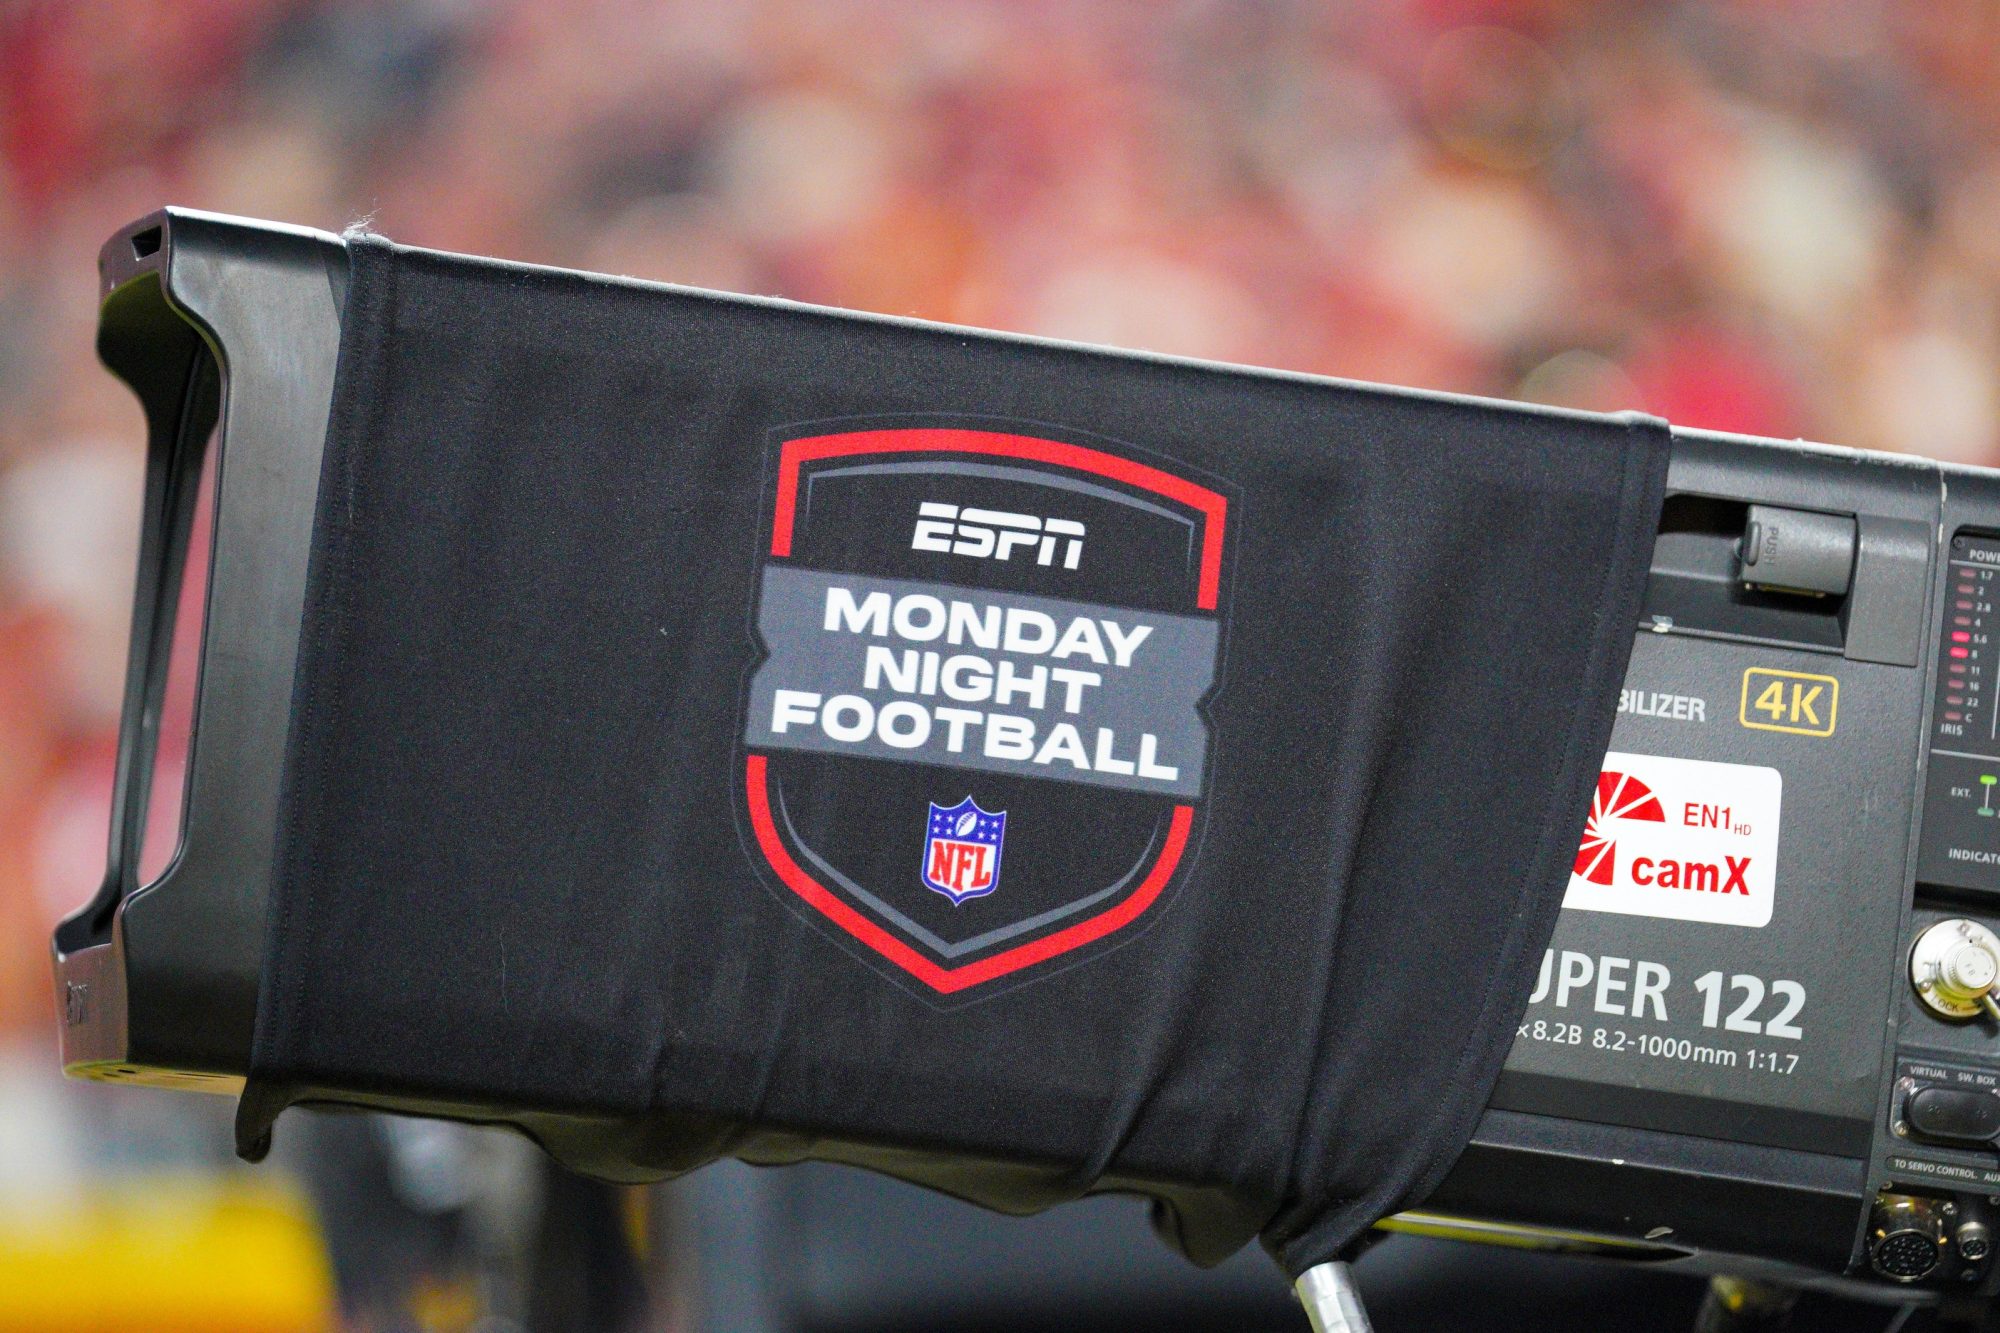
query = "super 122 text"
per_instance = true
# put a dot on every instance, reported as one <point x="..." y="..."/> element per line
<point x="1638" y="988"/>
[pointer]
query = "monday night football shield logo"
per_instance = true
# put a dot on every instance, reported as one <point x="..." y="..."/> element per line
<point x="975" y="741"/>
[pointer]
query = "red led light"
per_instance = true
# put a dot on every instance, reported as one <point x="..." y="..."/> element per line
<point x="1960" y="636"/>
<point x="1961" y="652"/>
<point x="1954" y="717"/>
<point x="1963" y="606"/>
<point x="1954" y="699"/>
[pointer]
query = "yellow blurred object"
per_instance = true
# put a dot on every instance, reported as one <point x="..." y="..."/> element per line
<point x="165" y="1254"/>
<point x="445" y="1307"/>
<point x="1521" y="1237"/>
<point x="636" y="1212"/>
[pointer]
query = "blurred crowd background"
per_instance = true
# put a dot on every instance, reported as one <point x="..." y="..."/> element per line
<point x="1774" y="216"/>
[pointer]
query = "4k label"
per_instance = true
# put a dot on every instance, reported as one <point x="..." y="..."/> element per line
<point x="1684" y="839"/>
<point x="1790" y="701"/>
<point x="976" y="739"/>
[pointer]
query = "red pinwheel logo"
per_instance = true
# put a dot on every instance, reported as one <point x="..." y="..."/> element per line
<point x="1619" y="796"/>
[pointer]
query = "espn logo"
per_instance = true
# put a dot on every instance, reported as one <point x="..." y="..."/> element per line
<point x="995" y="534"/>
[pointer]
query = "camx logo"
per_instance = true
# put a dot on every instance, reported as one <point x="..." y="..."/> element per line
<point x="1619" y="796"/>
<point x="995" y="534"/>
<point x="1705" y="832"/>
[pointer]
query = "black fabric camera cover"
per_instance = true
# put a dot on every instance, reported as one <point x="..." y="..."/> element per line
<point x="726" y="727"/>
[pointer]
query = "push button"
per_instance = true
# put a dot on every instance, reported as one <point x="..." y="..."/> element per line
<point x="1796" y="550"/>
<point x="1953" y="1114"/>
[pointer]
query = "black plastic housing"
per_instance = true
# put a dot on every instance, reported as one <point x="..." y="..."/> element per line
<point x="209" y="320"/>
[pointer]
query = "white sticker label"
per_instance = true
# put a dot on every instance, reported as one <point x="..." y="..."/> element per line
<point x="1684" y="839"/>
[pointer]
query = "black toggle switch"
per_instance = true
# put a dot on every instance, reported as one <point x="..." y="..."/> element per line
<point x="1953" y="1114"/>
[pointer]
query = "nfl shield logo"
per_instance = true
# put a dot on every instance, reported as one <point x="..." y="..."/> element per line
<point x="962" y="850"/>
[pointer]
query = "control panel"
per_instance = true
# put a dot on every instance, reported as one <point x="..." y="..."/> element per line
<point x="1940" y="1173"/>
<point x="1961" y="834"/>
<point x="1941" y="1169"/>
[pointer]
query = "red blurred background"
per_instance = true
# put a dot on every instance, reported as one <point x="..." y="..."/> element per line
<point x="1773" y="216"/>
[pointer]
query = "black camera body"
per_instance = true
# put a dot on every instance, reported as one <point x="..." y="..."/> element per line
<point x="1762" y="1039"/>
<point x="1745" y="1038"/>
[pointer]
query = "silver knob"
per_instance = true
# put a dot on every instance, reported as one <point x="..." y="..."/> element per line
<point x="1968" y="969"/>
<point x="1955" y="965"/>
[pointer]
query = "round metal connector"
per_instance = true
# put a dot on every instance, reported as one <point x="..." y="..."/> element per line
<point x="1955" y="966"/>
<point x="1974" y="1242"/>
<point x="1905" y="1237"/>
<point x="1906" y="1256"/>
